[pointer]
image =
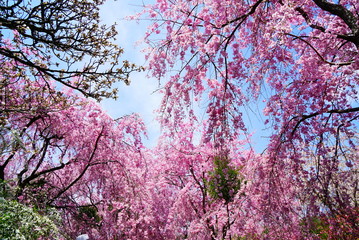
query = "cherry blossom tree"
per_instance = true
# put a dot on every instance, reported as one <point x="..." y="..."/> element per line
<point x="60" y="153"/>
<point x="301" y="60"/>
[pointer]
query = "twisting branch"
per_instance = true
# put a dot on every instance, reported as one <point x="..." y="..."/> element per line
<point x="308" y="20"/>
<point x="347" y="16"/>
<point x="16" y="147"/>
<point x="316" y="51"/>
<point x="60" y="34"/>
<point x="305" y="117"/>
<point x="84" y="170"/>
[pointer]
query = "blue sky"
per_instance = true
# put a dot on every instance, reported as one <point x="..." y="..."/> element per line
<point x="140" y="96"/>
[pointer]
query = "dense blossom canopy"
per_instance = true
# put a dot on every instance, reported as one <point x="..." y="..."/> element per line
<point x="59" y="150"/>
<point x="297" y="61"/>
<point x="299" y="58"/>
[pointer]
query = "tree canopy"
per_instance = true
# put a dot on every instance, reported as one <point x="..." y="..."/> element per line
<point x="62" y="35"/>
<point x="63" y="156"/>
<point x="299" y="60"/>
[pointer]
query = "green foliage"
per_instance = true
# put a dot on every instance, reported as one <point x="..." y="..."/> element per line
<point x="6" y="191"/>
<point x="18" y="221"/>
<point x="316" y="226"/>
<point x="224" y="181"/>
<point x="89" y="212"/>
<point x="253" y="236"/>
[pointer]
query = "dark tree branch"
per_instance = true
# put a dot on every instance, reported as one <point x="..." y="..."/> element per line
<point x="305" y="117"/>
<point x="308" y="20"/>
<point x="83" y="171"/>
<point x="316" y="51"/>
<point x="16" y="147"/>
<point x="347" y="16"/>
<point x="64" y="33"/>
<point x="34" y="174"/>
